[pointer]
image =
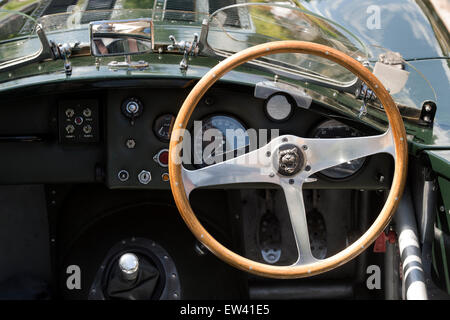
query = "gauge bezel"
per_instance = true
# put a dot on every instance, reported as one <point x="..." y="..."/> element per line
<point x="154" y="127"/>
<point x="320" y="174"/>
<point x="289" y="99"/>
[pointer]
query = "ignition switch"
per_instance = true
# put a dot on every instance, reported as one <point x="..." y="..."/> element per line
<point x="132" y="108"/>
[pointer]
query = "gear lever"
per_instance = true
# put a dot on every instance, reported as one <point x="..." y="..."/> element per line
<point x="129" y="266"/>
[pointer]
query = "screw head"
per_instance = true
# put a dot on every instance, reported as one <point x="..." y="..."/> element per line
<point x="131" y="143"/>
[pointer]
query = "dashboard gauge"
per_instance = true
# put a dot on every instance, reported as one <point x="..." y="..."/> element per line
<point x="335" y="129"/>
<point x="278" y="108"/>
<point x="232" y="136"/>
<point x="163" y="127"/>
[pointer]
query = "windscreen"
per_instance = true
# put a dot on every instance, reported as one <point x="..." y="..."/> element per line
<point x="241" y="26"/>
<point x="18" y="37"/>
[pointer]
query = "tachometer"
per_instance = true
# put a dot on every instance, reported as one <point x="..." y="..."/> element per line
<point x="219" y="136"/>
<point x="335" y="129"/>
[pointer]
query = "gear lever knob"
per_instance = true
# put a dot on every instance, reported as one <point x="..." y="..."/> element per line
<point x="129" y="265"/>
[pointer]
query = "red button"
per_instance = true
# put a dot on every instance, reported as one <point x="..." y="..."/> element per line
<point x="78" y="120"/>
<point x="164" y="157"/>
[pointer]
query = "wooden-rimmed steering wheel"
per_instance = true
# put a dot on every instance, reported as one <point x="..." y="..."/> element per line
<point x="309" y="156"/>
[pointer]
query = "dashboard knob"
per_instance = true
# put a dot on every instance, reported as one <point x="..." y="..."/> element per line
<point x="132" y="108"/>
<point x="145" y="177"/>
<point x="129" y="266"/>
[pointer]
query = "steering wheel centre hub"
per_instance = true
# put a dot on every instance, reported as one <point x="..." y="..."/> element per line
<point x="289" y="160"/>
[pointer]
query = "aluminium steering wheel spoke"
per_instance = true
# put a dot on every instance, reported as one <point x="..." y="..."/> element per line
<point x="247" y="168"/>
<point x="297" y="215"/>
<point x="322" y="154"/>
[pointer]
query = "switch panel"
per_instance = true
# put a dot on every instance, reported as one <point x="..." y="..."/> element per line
<point x="78" y="121"/>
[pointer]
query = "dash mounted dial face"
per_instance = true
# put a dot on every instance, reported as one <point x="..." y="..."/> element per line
<point x="163" y="126"/>
<point x="233" y="137"/>
<point x="279" y="108"/>
<point x="334" y="129"/>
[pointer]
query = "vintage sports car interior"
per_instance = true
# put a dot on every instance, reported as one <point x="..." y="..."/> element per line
<point x="176" y="150"/>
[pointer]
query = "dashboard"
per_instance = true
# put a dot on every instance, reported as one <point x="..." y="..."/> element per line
<point x="118" y="133"/>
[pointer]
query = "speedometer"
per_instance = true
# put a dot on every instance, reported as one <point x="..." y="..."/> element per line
<point x="219" y="136"/>
<point x="334" y="129"/>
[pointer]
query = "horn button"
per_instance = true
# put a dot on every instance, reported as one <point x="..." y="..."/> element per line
<point x="289" y="159"/>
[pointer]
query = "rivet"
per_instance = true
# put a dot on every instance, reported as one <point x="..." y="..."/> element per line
<point x="272" y="175"/>
<point x="268" y="153"/>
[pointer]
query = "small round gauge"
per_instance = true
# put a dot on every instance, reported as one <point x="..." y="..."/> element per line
<point x="231" y="132"/>
<point x="163" y="127"/>
<point x="278" y="107"/>
<point x="335" y="129"/>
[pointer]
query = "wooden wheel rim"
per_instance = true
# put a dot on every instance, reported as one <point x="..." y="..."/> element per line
<point x="306" y="270"/>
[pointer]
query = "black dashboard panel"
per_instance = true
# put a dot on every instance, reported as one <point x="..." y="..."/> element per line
<point x="78" y="121"/>
<point x="131" y="142"/>
<point x="29" y="143"/>
<point x="156" y="102"/>
<point x="120" y="143"/>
